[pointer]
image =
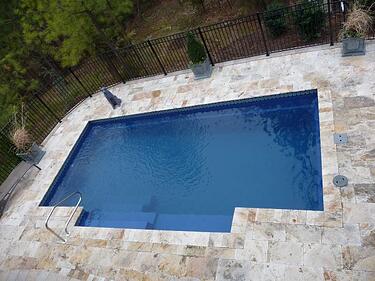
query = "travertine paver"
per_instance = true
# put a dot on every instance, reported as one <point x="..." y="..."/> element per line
<point x="264" y="244"/>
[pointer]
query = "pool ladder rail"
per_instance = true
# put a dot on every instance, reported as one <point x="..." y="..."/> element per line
<point x="67" y="233"/>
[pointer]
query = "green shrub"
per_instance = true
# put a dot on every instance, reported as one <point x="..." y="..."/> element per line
<point x="198" y="4"/>
<point x="195" y="49"/>
<point x="310" y="19"/>
<point x="274" y="18"/>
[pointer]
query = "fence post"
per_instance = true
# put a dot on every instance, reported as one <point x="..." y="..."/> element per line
<point x="205" y="46"/>
<point x="344" y="6"/>
<point x="79" y="81"/>
<point x="157" y="58"/>
<point x="263" y="36"/>
<point x="47" y="107"/>
<point x="330" y="23"/>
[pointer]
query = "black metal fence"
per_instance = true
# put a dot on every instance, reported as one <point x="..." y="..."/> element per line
<point x="297" y="26"/>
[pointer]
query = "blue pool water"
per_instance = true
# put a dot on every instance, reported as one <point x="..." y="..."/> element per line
<point x="187" y="169"/>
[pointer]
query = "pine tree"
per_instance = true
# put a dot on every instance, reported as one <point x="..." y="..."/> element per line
<point x="75" y="29"/>
<point x="64" y="30"/>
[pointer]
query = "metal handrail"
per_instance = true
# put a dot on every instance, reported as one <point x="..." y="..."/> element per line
<point x="67" y="233"/>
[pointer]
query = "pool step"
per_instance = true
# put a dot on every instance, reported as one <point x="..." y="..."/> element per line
<point x="134" y="207"/>
<point x="137" y="220"/>
<point x="120" y="224"/>
<point x="148" y="220"/>
<point x="210" y="223"/>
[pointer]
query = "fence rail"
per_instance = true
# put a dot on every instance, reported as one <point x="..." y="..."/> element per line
<point x="298" y="26"/>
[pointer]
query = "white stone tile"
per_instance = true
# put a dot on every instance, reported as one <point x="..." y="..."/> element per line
<point x="285" y="253"/>
<point x="318" y="255"/>
<point x="303" y="273"/>
<point x="359" y="213"/>
<point x="303" y="233"/>
<point x="255" y="251"/>
<point x="359" y="258"/>
<point x="238" y="271"/>
<point x="347" y="235"/>
<point x="274" y="272"/>
<point x="269" y="231"/>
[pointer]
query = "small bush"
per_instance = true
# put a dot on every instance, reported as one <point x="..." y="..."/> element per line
<point x="198" y="4"/>
<point x="189" y="21"/>
<point x="310" y="19"/>
<point x="251" y="6"/>
<point x="195" y="49"/>
<point x="20" y="136"/>
<point x="358" y="23"/>
<point x="21" y="139"/>
<point x="274" y="18"/>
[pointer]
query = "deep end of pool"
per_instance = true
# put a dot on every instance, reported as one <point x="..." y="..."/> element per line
<point x="187" y="169"/>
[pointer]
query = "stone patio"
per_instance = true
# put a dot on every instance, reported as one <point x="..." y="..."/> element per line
<point x="264" y="244"/>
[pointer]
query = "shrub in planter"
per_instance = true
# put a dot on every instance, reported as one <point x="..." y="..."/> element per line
<point x="199" y="62"/>
<point x="275" y="19"/>
<point x="22" y="140"/>
<point x="310" y="18"/>
<point x="196" y="51"/>
<point x="354" y="31"/>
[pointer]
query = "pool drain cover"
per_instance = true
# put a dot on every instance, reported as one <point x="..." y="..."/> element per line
<point x="340" y="181"/>
<point x="340" y="138"/>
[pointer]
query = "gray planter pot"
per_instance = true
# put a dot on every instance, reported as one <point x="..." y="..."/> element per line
<point x="34" y="155"/>
<point x="353" y="47"/>
<point x="202" y="70"/>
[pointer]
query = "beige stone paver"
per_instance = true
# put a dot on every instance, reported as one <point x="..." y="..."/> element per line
<point x="264" y="244"/>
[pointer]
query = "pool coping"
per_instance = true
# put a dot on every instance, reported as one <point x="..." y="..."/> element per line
<point x="243" y="218"/>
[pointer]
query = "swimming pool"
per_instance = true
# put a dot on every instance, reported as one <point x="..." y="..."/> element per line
<point x="187" y="169"/>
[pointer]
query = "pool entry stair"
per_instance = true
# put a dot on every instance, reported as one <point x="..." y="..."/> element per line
<point x="150" y="220"/>
<point x="113" y="219"/>
<point x="138" y="215"/>
<point x="141" y="215"/>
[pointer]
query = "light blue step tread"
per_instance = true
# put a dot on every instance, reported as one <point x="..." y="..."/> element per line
<point x="125" y="216"/>
<point x="134" y="207"/>
<point x="137" y="207"/>
<point x="118" y="224"/>
<point x="137" y="220"/>
<point x="211" y="223"/>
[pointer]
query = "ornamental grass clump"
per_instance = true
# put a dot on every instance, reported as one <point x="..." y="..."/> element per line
<point x="195" y="49"/>
<point x="20" y="136"/>
<point x="21" y="139"/>
<point x="358" y="23"/>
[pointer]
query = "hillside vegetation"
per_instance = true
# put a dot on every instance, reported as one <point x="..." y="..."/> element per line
<point x="39" y="39"/>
